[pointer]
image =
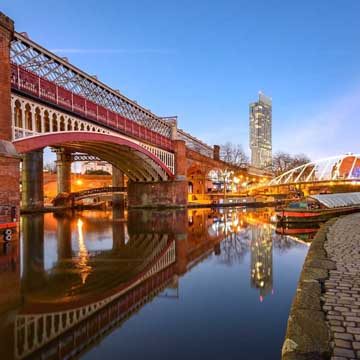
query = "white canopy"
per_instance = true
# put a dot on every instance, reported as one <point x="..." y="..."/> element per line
<point x="338" y="200"/>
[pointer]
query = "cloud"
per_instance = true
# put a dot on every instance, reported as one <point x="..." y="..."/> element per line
<point x="333" y="130"/>
<point x="330" y="128"/>
<point x="111" y="51"/>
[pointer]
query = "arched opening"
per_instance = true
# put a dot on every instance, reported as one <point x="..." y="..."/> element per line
<point x="18" y="115"/>
<point x="28" y="118"/>
<point x="37" y="120"/>
<point x="46" y="121"/>
<point x="197" y="176"/>
<point x="190" y="187"/>
<point x="214" y="180"/>
<point x="62" y="123"/>
<point x="56" y="125"/>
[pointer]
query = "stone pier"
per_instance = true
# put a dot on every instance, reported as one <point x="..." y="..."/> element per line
<point x="63" y="171"/>
<point x="172" y="193"/>
<point x="118" y="180"/>
<point x="324" y="321"/>
<point x="32" y="194"/>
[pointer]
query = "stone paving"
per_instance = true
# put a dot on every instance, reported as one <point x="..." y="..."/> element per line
<point x="341" y="299"/>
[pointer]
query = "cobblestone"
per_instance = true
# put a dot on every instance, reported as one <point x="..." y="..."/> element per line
<point x="341" y="300"/>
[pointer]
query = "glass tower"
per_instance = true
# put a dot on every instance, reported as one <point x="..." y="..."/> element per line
<point x="260" y="132"/>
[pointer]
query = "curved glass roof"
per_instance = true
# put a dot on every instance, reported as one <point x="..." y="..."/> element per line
<point x="338" y="200"/>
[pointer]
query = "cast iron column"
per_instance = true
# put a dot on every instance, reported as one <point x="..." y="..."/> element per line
<point x="32" y="193"/>
<point x="63" y="171"/>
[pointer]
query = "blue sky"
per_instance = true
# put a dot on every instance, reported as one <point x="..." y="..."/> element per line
<point x="205" y="61"/>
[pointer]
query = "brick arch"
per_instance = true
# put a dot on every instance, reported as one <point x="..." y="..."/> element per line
<point x="137" y="162"/>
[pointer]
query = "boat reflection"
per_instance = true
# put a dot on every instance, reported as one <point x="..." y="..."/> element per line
<point x="84" y="274"/>
<point x="301" y="231"/>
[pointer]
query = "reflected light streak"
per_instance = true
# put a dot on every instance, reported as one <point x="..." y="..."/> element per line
<point x="83" y="255"/>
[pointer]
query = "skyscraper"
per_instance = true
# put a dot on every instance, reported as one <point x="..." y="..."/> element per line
<point x="260" y="132"/>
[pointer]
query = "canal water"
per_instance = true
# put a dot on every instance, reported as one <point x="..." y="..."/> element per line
<point x="179" y="284"/>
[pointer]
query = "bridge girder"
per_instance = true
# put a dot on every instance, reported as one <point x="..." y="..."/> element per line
<point x="46" y="64"/>
<point x="136" y="162"/>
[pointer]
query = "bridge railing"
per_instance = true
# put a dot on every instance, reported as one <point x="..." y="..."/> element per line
<point x="101" y="190"/>
<point x="30" y="83"/>
<point x="195" y="144"/>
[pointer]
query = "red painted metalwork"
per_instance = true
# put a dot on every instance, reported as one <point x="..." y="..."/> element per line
<point x="24" y="145"/>
<point x="29" y="83"/>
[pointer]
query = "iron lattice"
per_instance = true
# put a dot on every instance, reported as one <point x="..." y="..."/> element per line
<point x="33" y="57"/>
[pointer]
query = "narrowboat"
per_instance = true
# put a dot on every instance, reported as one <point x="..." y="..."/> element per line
<point x="319" y="208"/>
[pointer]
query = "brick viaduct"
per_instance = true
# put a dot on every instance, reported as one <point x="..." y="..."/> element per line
<point x="175" y="163"/>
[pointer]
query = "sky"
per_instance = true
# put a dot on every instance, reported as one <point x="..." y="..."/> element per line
<point x="206" y="60"/>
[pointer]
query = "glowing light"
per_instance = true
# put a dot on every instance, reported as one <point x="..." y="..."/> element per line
<point x="273" y="218"/>
<point x="83" y="255"/>
<point x="78" y="182"/>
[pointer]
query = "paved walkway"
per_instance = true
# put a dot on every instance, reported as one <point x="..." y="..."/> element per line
<point x="342" y="289"/>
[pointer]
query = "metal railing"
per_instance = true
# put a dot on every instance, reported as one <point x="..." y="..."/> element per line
<point x="45" y="75"/>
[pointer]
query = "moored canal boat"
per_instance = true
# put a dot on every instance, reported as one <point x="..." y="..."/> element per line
<point x="319" y="208"/>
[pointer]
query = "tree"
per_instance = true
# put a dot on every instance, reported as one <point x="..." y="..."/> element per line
<point x="234" y="154"/>
<point x="283" y="162"/>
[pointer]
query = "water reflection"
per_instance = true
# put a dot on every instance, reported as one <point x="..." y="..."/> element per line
<point x="86" y="273"/>
<point x="261" y="259"/>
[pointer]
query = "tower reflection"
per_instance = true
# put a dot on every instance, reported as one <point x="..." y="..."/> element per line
<point x="261" y="259"/>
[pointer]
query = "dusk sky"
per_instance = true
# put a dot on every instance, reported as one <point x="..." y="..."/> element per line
<point x="205" y="61"/>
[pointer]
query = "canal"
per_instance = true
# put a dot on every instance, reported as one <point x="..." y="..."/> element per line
<point x="194" y="284"/>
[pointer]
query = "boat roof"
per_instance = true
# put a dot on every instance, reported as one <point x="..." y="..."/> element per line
<point x="338" y="200"/>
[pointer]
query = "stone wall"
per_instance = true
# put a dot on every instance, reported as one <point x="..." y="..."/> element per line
<point x="308" y="335"/>
<point x="157" y="194"/>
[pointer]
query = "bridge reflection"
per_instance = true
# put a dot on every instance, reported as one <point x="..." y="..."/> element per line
<point x="84" y="274"/>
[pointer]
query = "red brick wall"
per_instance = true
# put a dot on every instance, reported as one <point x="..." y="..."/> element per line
<point x="6" y="31"/>
<point x="9" y="186"/>
<point x="9" y="166"/>
<point x="180" y="157"/>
